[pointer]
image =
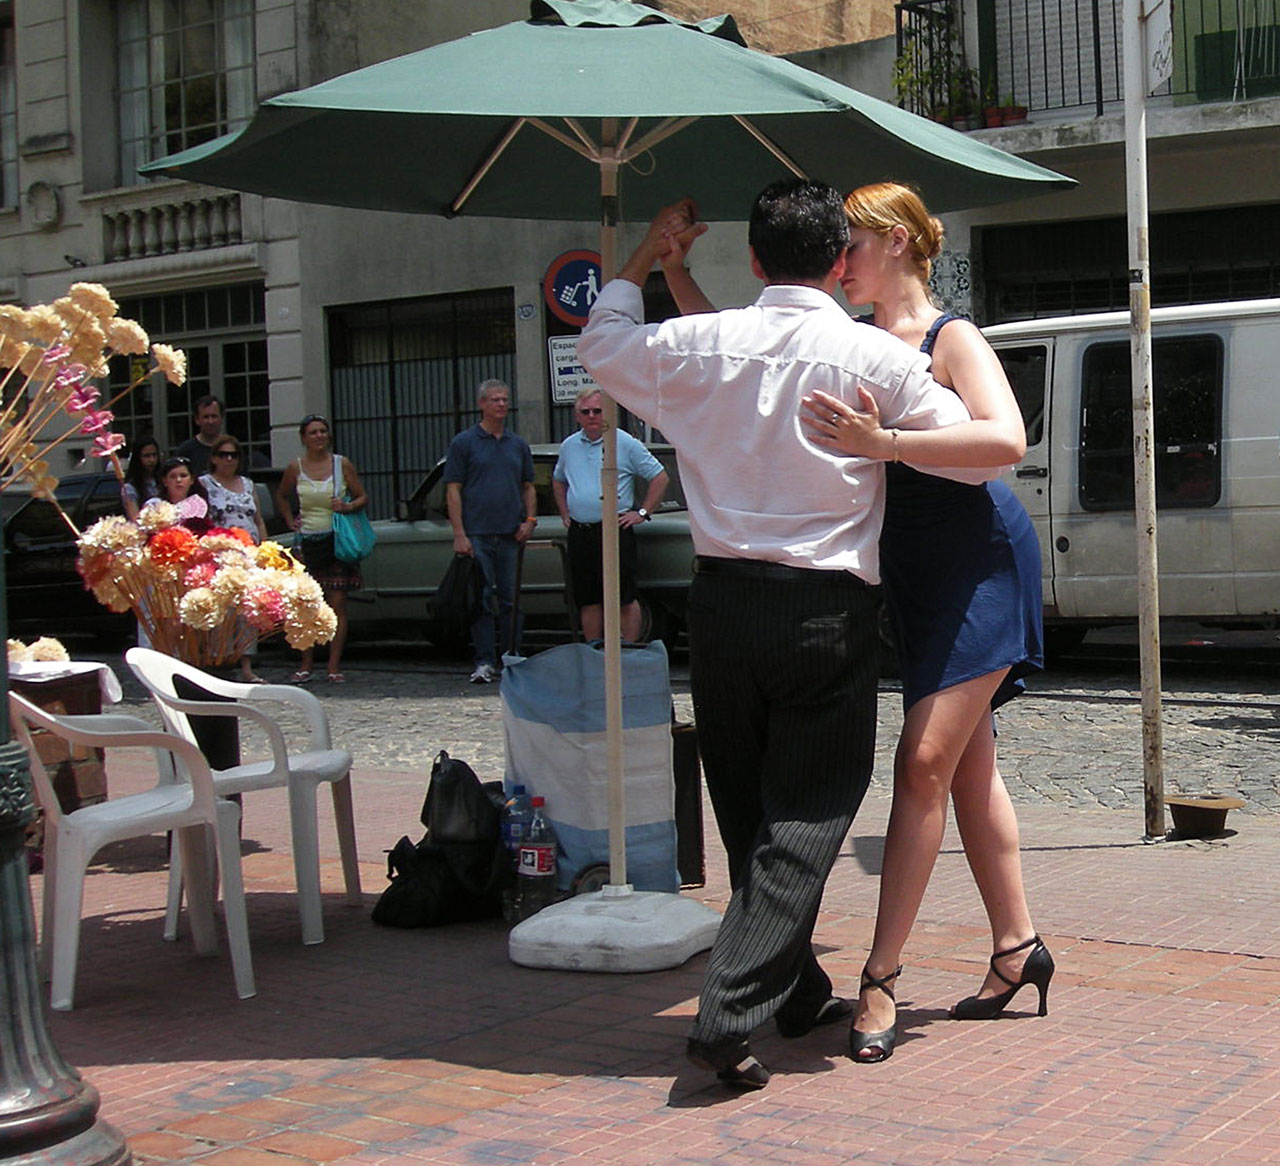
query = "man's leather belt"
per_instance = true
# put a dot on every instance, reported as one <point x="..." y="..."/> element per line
<point x="773" y="572"/>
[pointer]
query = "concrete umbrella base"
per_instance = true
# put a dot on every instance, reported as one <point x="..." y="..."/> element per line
<point x="615" y="929"/>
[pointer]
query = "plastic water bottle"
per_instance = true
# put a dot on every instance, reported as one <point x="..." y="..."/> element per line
<point x="536" y="874"/>
<point x="517" y="813"/>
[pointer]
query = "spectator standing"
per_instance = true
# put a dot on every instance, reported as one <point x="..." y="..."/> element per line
<point x="493" y="510"/>
<point x="140" y="484"/>
<point x="232" y="503"/>
<point x="313" y="488"/>
<point x="576" y="485"/>
<point x="196" y="449"/>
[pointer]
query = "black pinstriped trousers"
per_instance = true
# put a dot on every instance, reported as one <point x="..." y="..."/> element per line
<point x="783" y="665"/>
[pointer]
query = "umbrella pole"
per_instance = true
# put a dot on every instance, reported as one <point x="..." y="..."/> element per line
<point x="609" y="538"/>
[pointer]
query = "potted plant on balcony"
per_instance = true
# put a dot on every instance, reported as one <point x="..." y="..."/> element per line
<point x="992" y="114"/>
<point x="963" y="111"/>
<point x="1011" y="113"/>
<point x="912" y="79"/>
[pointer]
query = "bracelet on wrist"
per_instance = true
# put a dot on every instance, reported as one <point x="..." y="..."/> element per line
<point x="895" y="445"/>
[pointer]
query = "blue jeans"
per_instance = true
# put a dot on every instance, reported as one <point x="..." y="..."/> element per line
<point x="491" y="633"/>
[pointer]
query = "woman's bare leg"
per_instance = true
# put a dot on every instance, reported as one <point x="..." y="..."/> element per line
<point x="989" y="831"/>
<point x="935" y="734"/>
<point x="338" y="601"/>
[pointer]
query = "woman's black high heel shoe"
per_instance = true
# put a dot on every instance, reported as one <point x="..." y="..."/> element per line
<point x="881" y="1043"/>
<point x="1037" y="970"/>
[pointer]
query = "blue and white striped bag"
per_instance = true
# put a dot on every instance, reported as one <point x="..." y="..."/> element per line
<point x="553" y="718"/>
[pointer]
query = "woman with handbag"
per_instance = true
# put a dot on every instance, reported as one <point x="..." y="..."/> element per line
<point x="314" y="489"/>
<point x="232" y="503"/>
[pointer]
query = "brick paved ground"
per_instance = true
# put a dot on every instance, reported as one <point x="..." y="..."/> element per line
<point x="1162" y="1043"/>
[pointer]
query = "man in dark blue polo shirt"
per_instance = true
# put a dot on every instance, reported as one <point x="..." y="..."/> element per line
<point x="493" y="509"/>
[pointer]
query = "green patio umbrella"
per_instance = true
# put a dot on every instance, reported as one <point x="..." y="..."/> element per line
<point x="509" y="122"/>
<point x="593" y="110"/>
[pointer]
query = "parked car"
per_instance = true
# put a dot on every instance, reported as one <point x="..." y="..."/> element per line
<point x="414" y="551"/>
<point x="44" y="590"/>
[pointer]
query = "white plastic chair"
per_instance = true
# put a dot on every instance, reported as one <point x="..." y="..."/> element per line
<point x="71" y="840"/>
<point x="300" y="772"/>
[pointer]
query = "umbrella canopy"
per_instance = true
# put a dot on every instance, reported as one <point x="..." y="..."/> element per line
<point x="510" y="122"/>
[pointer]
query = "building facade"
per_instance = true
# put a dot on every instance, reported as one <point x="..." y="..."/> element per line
<point x="387" y="322"/>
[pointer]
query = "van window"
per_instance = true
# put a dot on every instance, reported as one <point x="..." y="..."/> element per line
<point x="1026" y="367"/>
<point x="1187" y="396"/>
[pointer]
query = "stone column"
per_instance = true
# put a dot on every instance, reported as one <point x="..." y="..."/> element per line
<point x="48" y="1112"/>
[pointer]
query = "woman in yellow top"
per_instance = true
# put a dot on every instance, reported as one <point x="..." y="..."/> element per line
<point x="307" y="498"/>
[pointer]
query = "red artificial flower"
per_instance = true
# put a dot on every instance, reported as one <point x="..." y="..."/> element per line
<point x="172" y="547"/>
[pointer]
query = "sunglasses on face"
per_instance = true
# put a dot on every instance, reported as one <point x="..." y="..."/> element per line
<point x="591" y="412"/>
<point x="229" y="454"/>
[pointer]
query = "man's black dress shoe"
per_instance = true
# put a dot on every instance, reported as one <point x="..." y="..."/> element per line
<point x="729" y="1059"/>
<point x="833" y="1008"/>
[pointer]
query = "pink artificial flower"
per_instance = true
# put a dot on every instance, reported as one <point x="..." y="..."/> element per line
<point x="97" y="420"/>
<point x="264" y="608"/>
<point x="105" y="444"/>
<point x="71" y="374"/>
<point x="82" y="399"/>
<point x="56" y="353"/>
<point x="200" y="574"/>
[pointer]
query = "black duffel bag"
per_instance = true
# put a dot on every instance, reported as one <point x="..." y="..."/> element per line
<point x="459" y="870"/>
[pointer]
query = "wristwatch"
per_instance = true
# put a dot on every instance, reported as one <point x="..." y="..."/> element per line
<point x="644" y="514"/>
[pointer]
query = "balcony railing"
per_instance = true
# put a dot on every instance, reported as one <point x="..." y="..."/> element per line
<point x="1066" y="54"/>
<point x="166" y="228"/>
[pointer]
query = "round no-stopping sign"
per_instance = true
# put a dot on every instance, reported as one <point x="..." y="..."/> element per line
<point x="571" y="285"/>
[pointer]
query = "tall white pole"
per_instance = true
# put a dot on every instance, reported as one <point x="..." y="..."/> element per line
<point x="609" y="536"/>
<point x="1144" y="481"/>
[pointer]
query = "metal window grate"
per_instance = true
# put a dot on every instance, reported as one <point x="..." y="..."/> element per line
<point x="403" y="378"/>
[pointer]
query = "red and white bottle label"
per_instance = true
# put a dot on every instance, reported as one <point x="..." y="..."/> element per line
<point x="537" y="859"/>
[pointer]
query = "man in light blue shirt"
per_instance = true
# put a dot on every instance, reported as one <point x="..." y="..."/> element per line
<point x="576" y="484"/>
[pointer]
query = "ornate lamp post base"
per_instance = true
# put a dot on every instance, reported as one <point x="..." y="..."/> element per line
<point x="48" y="1113"/>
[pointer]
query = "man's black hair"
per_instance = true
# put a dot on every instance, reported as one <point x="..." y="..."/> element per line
<point x="208" y="399"/>
<point x="797" y="230"/>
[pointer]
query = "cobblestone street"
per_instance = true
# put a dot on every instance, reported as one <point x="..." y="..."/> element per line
<point x="1074" y="739"/>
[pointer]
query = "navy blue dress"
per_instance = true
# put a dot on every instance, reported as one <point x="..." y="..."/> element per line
<point x="961" y="571"/>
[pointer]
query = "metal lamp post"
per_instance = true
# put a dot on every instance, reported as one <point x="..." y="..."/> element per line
<point x="48" y="1112"/>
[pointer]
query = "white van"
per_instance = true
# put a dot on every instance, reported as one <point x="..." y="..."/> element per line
<point x="1217" y="456"/>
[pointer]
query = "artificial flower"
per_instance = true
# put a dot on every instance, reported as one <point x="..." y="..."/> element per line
<point x="44" y="324"/>
<point x="105" y="444"/>
<point x="96" y="420"/>
<point x="113" y="533"/>
<point x="95" y="298"/>
<point x="46" y="648"/>
<point x="171" y="547"/>
<point x="202" y="609"/>
<point x="264" y="607"/>
<point x="81" y="399"/>
<point x="158" y="516"/>
<point x="170" y="361"/>
<point x="200" y="573"/>
<point x="127" y="338"/>
<point x="19" y="653"/>
<point x="273" y="555"/>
